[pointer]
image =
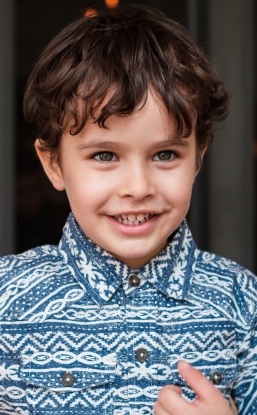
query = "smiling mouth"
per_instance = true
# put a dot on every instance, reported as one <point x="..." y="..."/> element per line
<point x="132" y="219"/>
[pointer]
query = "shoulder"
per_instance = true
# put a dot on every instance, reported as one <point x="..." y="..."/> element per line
<point x="223" y="269"/>
<point x="226" y="284"/>
<point x="28" y="280"/>
<point x="11" y="265"/>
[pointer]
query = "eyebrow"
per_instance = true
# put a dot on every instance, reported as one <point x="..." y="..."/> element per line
<point x="171" y="141"/>
<point x="96" y="144"/>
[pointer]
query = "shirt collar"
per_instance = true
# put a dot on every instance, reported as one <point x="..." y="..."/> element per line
<point x="100" y="274"/>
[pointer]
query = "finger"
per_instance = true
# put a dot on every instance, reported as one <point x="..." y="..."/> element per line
<point x="159" y="410"/>
<point x="203" y="388"/>
<point x="170" y="402"/>
<point x="173" y="388"/>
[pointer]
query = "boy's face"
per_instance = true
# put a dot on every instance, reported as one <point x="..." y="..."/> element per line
<point x="129" y="186"/>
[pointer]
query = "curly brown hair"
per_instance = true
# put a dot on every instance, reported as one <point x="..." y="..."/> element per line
<point x="128" y="51"/>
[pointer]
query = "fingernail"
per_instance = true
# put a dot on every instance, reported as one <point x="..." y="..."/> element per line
<point x="185" y="364"/>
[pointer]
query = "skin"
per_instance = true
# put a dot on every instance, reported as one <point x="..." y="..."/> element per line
<point x="137" y="166"/>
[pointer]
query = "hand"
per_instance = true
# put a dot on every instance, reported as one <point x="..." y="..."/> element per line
<point x="208" y="401"/>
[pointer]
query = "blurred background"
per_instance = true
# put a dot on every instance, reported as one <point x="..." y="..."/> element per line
<point x="223" y="214"/>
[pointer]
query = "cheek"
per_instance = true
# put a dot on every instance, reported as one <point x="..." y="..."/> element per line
<point x="84" y="193"/>
<point x="181" y="197"/>
<point x="184" y="194"/>
<point x="179" y="184"/>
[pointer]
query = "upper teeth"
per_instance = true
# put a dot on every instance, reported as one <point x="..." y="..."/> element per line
<point x="131" y="218"/>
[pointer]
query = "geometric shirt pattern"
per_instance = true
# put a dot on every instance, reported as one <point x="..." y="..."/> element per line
<point x="83" y="334"/>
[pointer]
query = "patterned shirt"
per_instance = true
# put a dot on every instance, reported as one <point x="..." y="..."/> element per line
<point x="84" y="334"/>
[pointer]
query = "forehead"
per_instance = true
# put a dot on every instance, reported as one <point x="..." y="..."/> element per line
<point x="151" y="106"/>
<point x="149" y="125"/>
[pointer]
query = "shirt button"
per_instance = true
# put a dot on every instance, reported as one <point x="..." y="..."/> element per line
<point x="216" y="378"/>
<point x="134" y="281"/>
<point x="142" y="355"/>
<point x="68" y="379"/>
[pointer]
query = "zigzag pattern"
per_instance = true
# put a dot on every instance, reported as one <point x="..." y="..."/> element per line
<point x="162" y="343"/>
<point x="71" y="310"/>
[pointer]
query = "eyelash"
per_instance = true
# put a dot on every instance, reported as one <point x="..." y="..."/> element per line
<point x="110" y="156"/>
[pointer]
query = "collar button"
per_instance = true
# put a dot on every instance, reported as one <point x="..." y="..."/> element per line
<point x="133" y="280"/>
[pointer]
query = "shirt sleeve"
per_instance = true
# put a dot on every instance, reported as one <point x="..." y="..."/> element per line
<point x="245" y="387"/>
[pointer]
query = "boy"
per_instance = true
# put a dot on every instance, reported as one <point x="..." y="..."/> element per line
<point x="125" y="315"/>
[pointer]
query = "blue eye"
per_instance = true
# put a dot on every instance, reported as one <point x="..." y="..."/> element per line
<point x="166" y="155"/>
<point x="105" y="156"/>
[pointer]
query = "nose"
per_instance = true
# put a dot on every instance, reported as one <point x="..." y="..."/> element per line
<point x="136" y="182"/>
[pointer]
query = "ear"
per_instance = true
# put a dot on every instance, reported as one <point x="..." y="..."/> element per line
<point x="199" y="160"/>
<point x="51" y="166"/>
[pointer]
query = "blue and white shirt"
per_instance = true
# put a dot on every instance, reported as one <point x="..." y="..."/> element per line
<point x="83" y="334"/>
